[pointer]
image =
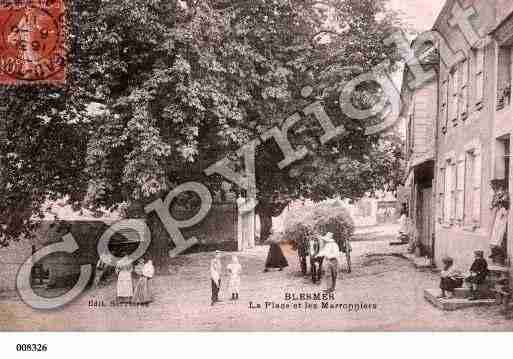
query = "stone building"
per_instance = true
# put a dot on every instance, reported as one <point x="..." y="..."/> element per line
<point x="419" y="114"/>
<point x="470" y="143"/>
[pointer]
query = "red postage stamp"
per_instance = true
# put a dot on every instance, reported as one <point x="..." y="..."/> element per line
<point x="32" y="42"/>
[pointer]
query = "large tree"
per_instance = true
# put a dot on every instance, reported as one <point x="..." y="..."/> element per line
<point x="351" y="43"/>
<point x="160" y="90"/>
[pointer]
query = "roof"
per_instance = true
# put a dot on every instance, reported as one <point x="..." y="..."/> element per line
<point x="446" y="9"/>
<point x="501" y="23"/>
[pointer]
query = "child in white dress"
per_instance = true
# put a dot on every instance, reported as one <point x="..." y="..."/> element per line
<point x="124" y="286"/>
<point x="234" y="269"/>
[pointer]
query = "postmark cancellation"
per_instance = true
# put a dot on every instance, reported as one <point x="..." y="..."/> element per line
<point x="32" y="42"/>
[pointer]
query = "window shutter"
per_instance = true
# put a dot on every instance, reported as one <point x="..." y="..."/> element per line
<point x="445" y="91"/>
<point x="441" y="194"/>
<point x="464" y="89"/>
<point x="476" y="196"/>
<point x="503" y="77"/>
<point x="480" y="62"/>
<point x="460" y="189"/>
<point x="469" y="187"/>
<point x="413" y="129"/>
<point x="451" y="107"/>
<point x="455" y="79"/>
<point x="448" y="186"/>
<point x="454" y="96"/>
<point x="444" y="110"/>
<point x="454" y="179"/>
<point x="464" y="72"/>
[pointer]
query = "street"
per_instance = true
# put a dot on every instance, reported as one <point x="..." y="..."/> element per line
<point x="383" y="292"/>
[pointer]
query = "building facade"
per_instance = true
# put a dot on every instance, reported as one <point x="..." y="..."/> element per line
<point x="473" y="123"/>
<point x="419" y="113"/>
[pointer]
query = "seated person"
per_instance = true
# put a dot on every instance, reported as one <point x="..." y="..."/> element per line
<point x="450" y="278"/>
<point x="478" y="273"/>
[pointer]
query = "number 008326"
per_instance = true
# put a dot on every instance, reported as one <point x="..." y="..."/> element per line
<point x="31" y="347"/>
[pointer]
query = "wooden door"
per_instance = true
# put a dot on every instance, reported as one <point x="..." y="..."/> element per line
<point x="426" y="217"/>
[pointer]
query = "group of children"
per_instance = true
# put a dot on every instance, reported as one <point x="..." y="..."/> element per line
<point x="450" y="278"/>
<point x="234" y="271"/>
<point x="126" y="291"/>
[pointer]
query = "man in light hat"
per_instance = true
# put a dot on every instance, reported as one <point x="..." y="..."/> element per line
<point x="330" y="251"/>
<point x="215" y="276"/>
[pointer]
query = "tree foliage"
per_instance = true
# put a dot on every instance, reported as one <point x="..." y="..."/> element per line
<point x="159" y="90"/>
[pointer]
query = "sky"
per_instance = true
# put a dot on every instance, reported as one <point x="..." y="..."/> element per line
<point x="421" y="14"/>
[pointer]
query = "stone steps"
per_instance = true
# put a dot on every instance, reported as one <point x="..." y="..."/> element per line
<point x="488" y="292"/>
<point x="431" y="295"/>
<point x="462" y="293"/>
<point x="498" y="269"/>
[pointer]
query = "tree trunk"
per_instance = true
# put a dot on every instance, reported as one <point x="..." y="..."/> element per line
<point x="159" y="247"/>
<point x="266" y="224"/>
<point x="266" y="212"/>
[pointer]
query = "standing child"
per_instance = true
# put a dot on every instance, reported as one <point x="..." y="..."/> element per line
<point x="449" y="278"/>
<point x="478" y="273"/>
<point x="234" y="269"/>
<point x="124" y="286"/>
<point x="215" y="276"/>
<point x="148" y="273"/>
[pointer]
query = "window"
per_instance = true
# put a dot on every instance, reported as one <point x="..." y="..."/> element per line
<point x="503" y="78"/>
<point x="464" y="89"/>
<point x="472" y="216"/>
<point x="479" y="55"/>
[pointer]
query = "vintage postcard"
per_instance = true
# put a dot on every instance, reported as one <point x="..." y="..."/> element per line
<point x="272" y="165"/>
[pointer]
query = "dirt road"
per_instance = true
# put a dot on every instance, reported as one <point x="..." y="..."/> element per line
<point x="383" y="292"/>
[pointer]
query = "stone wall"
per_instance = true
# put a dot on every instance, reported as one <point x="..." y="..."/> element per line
<point x="11" y="258"/>
<point x="217" y="230"/>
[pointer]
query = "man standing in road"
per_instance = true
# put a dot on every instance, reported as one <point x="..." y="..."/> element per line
<point x="215" y="276"/>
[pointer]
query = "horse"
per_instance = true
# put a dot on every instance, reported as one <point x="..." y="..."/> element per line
<point x="311" y="246"/>
<point x="303" y="251"/>
<point x="315" y="243"/>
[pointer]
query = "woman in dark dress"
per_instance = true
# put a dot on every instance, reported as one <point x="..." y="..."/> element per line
<point x="275" y="257"/>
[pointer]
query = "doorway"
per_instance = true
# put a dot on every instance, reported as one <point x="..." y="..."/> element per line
<point x="424" y="220"/>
